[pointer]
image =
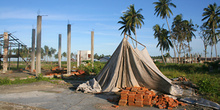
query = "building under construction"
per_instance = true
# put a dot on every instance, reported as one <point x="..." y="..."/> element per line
<point x="9" y="42"/>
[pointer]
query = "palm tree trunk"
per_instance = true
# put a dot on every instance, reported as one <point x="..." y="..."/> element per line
<point x="205" y="53"/>
<point x="189" y="52"/>
<point x="172" y="41"/>
<point x="184" y="56"/>
<point x="215" y="41"/>
<point x="216" y="52"/>
<point x="179" y="52"/>
<point x="163" y="57"/>
<point x="211" y="52"/>
<point x="135" y="36"/>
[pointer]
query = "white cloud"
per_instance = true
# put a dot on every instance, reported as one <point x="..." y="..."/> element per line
<point x="17" y="14"/>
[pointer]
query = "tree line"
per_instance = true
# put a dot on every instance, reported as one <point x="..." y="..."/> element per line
<point x="179" y="36"/>
<point x="47" y="53"/>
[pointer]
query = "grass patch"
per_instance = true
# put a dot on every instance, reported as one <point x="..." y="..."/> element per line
<point x="208" y="82"/>
<point x="7" y="81"/>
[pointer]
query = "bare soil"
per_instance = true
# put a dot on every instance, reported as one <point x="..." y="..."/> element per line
<point x="56" y="88"/>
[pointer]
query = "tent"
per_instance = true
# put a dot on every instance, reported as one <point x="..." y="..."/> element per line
<point x="129" y="67"/>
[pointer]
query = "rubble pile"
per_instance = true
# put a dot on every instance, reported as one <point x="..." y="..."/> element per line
<point x="59" y="71"/>
<point x="141" y="96"/>
<point x="180" y="79"/>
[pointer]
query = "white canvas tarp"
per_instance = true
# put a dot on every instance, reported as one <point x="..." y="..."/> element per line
<point x="129" y="67"/>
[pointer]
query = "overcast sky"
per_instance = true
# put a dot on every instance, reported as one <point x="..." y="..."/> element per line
<point x="101" y="16"/>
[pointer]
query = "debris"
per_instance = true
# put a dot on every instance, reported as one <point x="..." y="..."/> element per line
<point x="141" y="96"/>
<point x="182" y="78"/>
<point x="115" y="106"/>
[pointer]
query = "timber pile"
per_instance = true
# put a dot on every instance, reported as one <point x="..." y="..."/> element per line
<point x="141" y="96"/>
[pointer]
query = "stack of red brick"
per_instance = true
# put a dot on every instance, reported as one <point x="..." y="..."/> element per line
<point x="140" y="96"/>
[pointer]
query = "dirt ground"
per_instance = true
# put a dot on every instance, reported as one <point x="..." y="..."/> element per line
<point x="63" y="88"/>
<point x="19" y="74"/>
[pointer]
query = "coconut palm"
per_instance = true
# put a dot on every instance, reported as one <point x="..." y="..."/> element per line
<point x="179" y="33"/>
<point x="163" y="39"/>
<point x="51" y="52"/>
<point x="190" y="29"/>
<point x="46" y="51"/>
<point x="163" y="10"/>
<point x="134" y="19"/>
<point x="204" y="35"/>
<point x="126" y="29"/>
<point x="64" y="54"/>
<point x="211" y="14"/>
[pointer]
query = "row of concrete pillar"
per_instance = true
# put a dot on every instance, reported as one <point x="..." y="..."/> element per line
<point x="38" y="55"/>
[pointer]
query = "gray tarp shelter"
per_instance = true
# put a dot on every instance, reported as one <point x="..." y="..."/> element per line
<point x="129" y="67"/>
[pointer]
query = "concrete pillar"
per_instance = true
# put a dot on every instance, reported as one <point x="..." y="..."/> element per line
<point x="92" y="48"/>
<point x="68" y="49"/>
<point x="38" y="56"/>
<point x="59" y="51"/>
<point x="5" y="55"/>
<point x="33" y="51"/>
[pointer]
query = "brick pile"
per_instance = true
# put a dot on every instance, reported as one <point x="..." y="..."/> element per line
<point x="141" y="96"/>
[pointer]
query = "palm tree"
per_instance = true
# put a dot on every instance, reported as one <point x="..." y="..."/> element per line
<point x="190" y="28"/>
<point x="134" y="19"/>
<point x="162" y="9"/>
<point x="212" y="15"/>
<point x="179" y="33"/>
<point x="46" y="51"/>
<point x="126" y="29"/>
<point x="204" y="35"/>
<point x="163" y="39"/>
<point x="124" y="26"/>
<point x="51" y="52"/>
<point x="64" y="54"/>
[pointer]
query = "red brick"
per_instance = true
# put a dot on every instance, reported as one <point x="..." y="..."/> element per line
<point x="124" y="95"/>
<point x="115" y="106"/>
<point x="153" y="102"/>
<point x="125" y="91"/>
<point x="128" y="88"/>
<point x="124" y="98"/>
<point x="132" y="92"/>
<point x="146" y="89"/>
<point x="122" y="102"/>
<point x="147" y="102"/>
<point x="131" y="100"/>
<point x="183" y="104"/>
<point x="131" y="95"/>
<point x="160" y="106"/>
<point x="134" y="89"/>
<point x="139" y="103"/>
<point x="141" y="92"/>
<point x="147" y="93"/>
<point x="139" y="95"/>
<point x="153" y="93"/>
<point x="170" y="108"/>
<point x="131" y="104"/>
<point x="147" y="97"/>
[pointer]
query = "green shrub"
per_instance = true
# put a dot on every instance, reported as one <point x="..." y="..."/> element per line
<point x="205" y="86"/>
<point x="5" y="81"/>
